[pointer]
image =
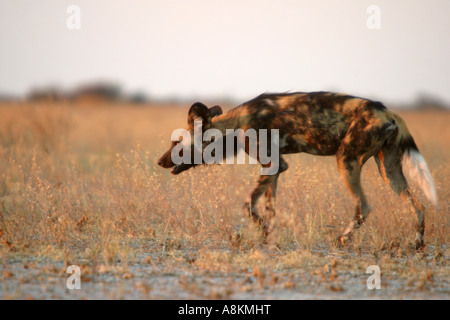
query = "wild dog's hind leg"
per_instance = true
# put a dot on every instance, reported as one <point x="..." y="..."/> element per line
<point x="351" y="173"/>
<point x="264" y="183"/>
<point x="362" y="141"/>
<point x="389" y="165"/>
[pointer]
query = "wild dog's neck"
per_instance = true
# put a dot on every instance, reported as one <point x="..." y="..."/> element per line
<point x="226" y="121"/>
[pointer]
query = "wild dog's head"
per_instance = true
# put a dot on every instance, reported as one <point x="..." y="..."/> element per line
<point x="197" y="112"/>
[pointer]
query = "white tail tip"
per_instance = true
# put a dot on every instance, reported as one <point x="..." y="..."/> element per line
<point x="417" y="168"/>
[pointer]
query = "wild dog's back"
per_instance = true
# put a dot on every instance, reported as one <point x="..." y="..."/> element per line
<point x="314" y="122"/>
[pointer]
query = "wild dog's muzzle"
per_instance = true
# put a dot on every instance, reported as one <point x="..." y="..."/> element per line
<point x="180" y="168"/>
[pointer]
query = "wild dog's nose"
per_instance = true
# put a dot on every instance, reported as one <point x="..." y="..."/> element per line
<point x="160" y="162"/>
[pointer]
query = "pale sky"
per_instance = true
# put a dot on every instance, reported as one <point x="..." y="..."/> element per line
<point x="207" y="48"/>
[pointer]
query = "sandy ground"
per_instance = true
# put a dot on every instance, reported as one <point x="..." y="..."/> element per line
<point x="152" y="277"/>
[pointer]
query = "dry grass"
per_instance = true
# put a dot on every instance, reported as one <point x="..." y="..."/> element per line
<point x="82" y="184"/>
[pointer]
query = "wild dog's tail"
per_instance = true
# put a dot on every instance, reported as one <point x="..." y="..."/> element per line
<point x="413" y="161"/>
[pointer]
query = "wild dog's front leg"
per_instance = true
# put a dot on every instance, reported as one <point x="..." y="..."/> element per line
<point x="270" y="196"/>
<point x="250" y="205"/>
<point x="266" y="184"/>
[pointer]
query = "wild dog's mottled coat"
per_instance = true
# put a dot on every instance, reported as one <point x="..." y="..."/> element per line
<point x="325" y="123"/>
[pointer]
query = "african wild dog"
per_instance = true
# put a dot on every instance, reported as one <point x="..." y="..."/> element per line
<point x="324" y="123"/>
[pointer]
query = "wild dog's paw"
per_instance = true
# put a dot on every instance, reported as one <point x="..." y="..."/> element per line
<point x="264" y="232"/>
<point x="236" y="236"/>
<point x="342" y="241"/>
<point x="235" y="240"/>
<point x="419" y="245"/>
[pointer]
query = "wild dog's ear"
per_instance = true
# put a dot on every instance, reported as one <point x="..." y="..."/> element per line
<point x="199" y="112"/>
<point x="216" y="111"/>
